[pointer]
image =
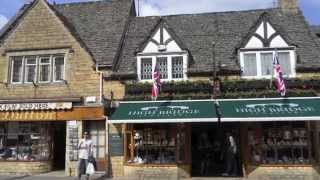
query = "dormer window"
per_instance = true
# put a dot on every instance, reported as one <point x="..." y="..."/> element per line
<point x="162" y="49"/>
<point x="256" y="57"/>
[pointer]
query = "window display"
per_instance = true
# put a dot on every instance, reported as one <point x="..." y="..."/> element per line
<point x="155" y="144"/>
<point x="281" y="144"/>
<point x="24" y="141"/>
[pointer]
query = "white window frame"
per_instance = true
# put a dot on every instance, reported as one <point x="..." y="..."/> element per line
<point x="50" y="71"/>
<point x="292" y="55"/>
<point x="38" y="54"/>
<point x="169" y="64"/>
<point x="11" y="71"/>
<point x="54" y="66"/>
<point x="25" y="77"/>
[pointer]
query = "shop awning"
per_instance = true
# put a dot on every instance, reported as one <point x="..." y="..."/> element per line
<point x="165" y="111"/>
<point x="270" y="109"/>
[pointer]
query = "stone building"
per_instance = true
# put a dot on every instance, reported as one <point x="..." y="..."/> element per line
<point x="67" y="68"/>
<point x="51" y="89"/>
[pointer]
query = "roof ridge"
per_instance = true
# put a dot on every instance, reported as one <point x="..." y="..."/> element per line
<point x="82" y="3"/>
<point x="209" y="13"/>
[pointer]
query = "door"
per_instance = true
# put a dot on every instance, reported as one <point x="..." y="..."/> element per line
<point x="210" y="155"/>
<point x="97" y="132"/>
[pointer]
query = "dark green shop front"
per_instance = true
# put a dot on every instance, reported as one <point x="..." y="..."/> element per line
<point x="268" y="131"/>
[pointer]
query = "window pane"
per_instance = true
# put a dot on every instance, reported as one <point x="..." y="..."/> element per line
<point x="250" y="65"/>
<point x="266" y="63"/>
<point x="146" y="68"/>
<point x="163" y="67"/>
<point x="16" y="75"/>
<point x="31" y="67"/>
<point x="45" y="69"/>
<point x="177" y="67"/>
<point x="59" y="68"/>
<point x="285" y="63"/>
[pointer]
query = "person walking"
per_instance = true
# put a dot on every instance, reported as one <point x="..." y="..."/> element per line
<point x="85" y="151"/>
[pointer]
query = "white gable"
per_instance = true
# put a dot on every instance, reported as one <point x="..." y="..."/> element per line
<point x="270" y="31"/>
<point x="161" y="41"/>
<point x="270" y="38"/>
<point x="254" y="43"/>
<point x="260" y="30"/>
<point x="278" y="42"/>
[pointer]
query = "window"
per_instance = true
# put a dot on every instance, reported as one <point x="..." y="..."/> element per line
<point x="146" y="68"/>
<point x="58" y="68"/>
<point x="163" y="67"/>
<point x="171" y="67"/>
<point x="177" y="67"/>
<point x="25" y="141"/>
<point x="30" y="69"/>
<point x="17" y="70"/>
<point x="44" y="65"/>
<point x="280" y="143"/>
<point x="37" y="69"/>
<point x="156" y="144"/>
<point x="259" y="64"/>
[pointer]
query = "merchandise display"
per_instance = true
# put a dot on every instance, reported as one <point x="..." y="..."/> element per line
<point x="23" y="141"/>
<point x="282" y="145"/>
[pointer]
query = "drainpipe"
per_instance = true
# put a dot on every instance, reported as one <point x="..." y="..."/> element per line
<point x="100" y="83"/>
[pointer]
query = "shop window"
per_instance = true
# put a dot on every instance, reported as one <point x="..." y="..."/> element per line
<point x="37" y="69"/>
<point x="156" y="144"/>
<point x="275" y="143"/>
<point x="25" y="141"/>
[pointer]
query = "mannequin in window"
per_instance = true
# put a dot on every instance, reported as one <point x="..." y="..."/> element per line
<point x="231" y="154"/>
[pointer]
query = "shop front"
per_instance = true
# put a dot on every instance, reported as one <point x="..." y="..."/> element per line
<point x="34" y="136"/>
<point x="185" y="138"/>
<point x="279" y="136"/>
<point x="157" y="136"/>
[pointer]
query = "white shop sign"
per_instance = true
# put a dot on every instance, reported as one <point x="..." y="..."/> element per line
<point x="35" y="106"/>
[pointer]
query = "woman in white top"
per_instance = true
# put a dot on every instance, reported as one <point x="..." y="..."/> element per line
<point x="85" y="150"/>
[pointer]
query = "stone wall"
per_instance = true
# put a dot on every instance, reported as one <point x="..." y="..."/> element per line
<point x="284" y="173"/>
<point x="27" y="168"/>
<point x="151" y="172"/>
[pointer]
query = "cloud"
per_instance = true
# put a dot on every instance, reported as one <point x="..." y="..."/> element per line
<point x="3" y="21"/>
<point x="165" y="7"/>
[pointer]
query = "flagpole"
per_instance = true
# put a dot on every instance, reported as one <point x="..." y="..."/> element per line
<point x="272" y="63"/>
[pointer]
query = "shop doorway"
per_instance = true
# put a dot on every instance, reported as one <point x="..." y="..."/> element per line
<point x="59" y="145"/>
<point x="211" y="150"/>
<point x="97" y="131"/>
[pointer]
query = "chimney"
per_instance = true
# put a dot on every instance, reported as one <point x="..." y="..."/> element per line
<point x="289" y="6"/>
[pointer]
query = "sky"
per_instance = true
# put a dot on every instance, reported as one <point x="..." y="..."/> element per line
<point x="310" y="8"/>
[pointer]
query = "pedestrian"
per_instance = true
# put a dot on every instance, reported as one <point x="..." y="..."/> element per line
<point x="85" y="151"/>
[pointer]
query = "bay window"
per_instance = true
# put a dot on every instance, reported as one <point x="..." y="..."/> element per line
<point x="37" y="69"/>
<point x="259" y="64"/>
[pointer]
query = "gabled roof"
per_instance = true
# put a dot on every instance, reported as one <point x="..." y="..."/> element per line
<point x="162" y="23"/>
<point x="97" y="25"/>
<point x="227" y="30"/>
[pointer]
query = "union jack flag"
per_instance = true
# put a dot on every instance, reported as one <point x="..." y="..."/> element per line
<point x="156" y="82"/>
<point x="280" y="85"/>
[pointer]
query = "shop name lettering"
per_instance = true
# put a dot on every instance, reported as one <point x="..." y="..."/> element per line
<point x="274" y="108"/>
<point x="167" y="111"/>
<point x="8" y="116"/>
<point x="25" y="106"/>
